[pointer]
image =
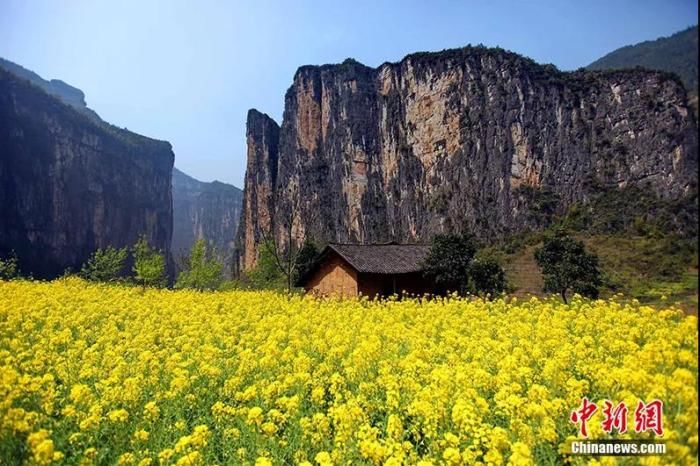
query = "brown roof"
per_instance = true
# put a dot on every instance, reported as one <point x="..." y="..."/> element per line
<point x="382" y="258"/>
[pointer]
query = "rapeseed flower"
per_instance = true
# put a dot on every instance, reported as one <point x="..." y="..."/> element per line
<point x="110" y="374"/>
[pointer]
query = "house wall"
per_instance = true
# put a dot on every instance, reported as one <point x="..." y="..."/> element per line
<point x="333" y="278"/>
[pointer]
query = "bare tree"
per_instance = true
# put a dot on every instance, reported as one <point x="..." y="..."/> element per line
<point x="286" y="257"/>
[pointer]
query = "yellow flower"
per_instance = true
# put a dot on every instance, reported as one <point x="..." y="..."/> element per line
<point x="269" y="428"/>
<point x="118" y="415"/>
<point x="42" y="447"/>
<point x="451" y="455"/>
<point x="520" y="455"/>
<point x="255" y="415"/>
<point x="151" y="411"/>
<point x="323" y="459"/>
<point x="294" y="374"/>
<point x="165" y="455"/>
<point x="126" y="458"/>
<point x="190" y="459"/>
<point x="200" y="436"/>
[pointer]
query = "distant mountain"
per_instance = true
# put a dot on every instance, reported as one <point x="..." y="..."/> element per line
<point x="676" y="54"/>
<point x="65" y="92"/>
<point x="205" y="210"/>
<point x="71" y="183"/>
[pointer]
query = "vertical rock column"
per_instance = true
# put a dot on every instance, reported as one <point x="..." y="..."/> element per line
<point x="262" y="134"/>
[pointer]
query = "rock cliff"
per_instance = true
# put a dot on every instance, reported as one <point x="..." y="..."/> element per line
<point x="262" y="135"/>
<point x="471" y="138"/>
<point x="208" y="211"/>
<point x="70" y="184"/>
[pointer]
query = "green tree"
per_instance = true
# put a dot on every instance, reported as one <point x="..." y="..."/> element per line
<point x="201" y="269"/>
<point x="487" y="277"/>
<point x="266" y="273"/>
<point x="567" y="266"/>
<point x="448" y="262"/>
<point x="149" y="264"/>
<point x="105" y="265"/>
<point x="8" y="267"/>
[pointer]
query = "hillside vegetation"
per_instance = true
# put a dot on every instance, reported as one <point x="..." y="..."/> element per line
<point x="647" y="247"/>
<point x="677" y="54"/>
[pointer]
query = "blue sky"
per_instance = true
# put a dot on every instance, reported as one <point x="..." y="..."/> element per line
<point x="188" y="71"/>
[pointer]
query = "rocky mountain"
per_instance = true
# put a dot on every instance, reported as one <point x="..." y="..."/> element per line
<point x="473" y="138"/>
<point x="677" y="54"/>
<point x="205" y="210"/>
<point x="65" y="92"/>
<point x="70" y="183"/>
<point x="262" y="135"/>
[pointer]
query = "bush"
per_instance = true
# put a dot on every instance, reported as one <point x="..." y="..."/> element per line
<point x="149" y="264"/>
<point x="201" y="270"/>
<point x="105" y="265"/>
<point x="266" y="274"/>
<point x="8" y="267"/>
<point x="566" y="265"/>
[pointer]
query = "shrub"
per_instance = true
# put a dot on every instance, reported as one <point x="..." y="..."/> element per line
<point x="201" y="270"/>
<point x="8" y="267"/>
<point x="267" y="273"/>
<point x="149" y="264"/>
<point x="105" y="265"/>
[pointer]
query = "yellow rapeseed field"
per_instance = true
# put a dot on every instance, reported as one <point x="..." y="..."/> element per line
<point x="99" y="374"/>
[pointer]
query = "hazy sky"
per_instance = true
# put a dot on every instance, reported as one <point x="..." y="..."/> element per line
<point x="188" y="71"/>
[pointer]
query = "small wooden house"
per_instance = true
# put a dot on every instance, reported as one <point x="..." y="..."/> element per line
<point x="368" y="270"/>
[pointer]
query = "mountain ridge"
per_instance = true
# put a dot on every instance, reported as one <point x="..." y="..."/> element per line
<point x="205" y="210"/>
<point x="71" y="184"/>
<point x="462" y="138"/>
<point x="677" y="53"/>
<point x="68" y="94"/>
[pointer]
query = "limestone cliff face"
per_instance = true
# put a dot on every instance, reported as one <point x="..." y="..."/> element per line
<point x="70" y="184"/>
<point x="466" y="139"/>
<point x="208" y="211"/>
<point x="262" y="135"/>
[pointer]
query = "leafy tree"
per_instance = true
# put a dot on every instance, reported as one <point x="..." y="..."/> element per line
<point x="8" y="267"/>
<point x="267" y="273"/>
<point x="149" y="264"/>
<point x="202" y="271"/>
<point x="105" y="265"/>
<point x="567" y="266"/>
<point x="305" y="259"/>
<point x="448" y="262"/>
<point x="487" y="277"/>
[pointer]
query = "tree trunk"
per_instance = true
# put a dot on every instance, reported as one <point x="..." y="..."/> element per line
<point x="563" y="296"/>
